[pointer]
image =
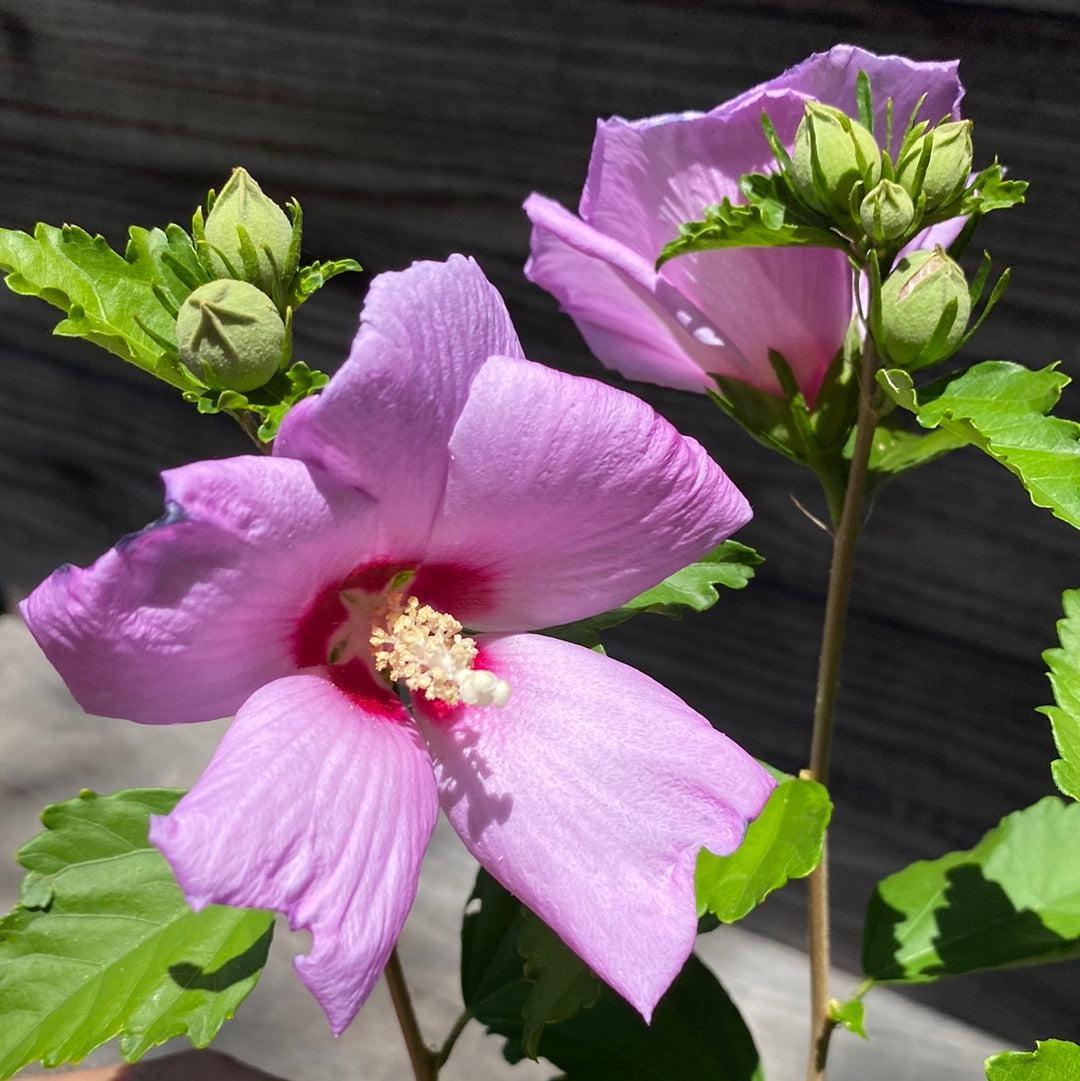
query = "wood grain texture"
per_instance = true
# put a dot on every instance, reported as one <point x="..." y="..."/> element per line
<point x="415" y="128"/>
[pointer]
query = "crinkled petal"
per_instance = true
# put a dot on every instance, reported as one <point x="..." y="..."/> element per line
<point x="589" y="796"/>
<point x="318" y="807"/>
<point x="383" y="422"/>
<point x="831" y="77"/>
<point x="185" y="619"/>
<point x="569" y="497"/>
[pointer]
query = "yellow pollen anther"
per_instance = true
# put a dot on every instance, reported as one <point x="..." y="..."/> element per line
<point x="424" y="648"/>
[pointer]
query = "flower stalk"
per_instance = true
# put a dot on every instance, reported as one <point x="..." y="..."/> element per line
<point x="848" y="526"/>
<point x="425" y="1064"/>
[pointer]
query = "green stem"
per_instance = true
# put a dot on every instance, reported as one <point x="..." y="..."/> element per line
<point x="452" y="1037"/>
<point x="848" y="526"/>
<point x="425" y="1066"/>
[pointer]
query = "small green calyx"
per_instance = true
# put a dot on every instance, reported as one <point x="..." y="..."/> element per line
<point x="832" y="154"/>
<point x="886" y="213"/>
<point x="925" y="307"/>
<point x="948" y="166"/>
<point x="230" y="335"/>
<point x="249" y="236"/>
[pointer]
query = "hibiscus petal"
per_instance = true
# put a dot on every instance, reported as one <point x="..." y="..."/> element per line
<point x="589" y="796"/>
<point x="383" y="422"/>
<point x="831" y="77"/>
<point x="608" y="291"/>
<point x="569" y="497"/>
<point x="185" y="619"/>
<point x="318" y="808"/>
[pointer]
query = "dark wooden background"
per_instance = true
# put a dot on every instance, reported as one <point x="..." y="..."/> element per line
<point x="414" y="128"/>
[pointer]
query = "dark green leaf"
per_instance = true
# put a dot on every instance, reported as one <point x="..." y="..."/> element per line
<point x="696" y="1032"/>
<point x="1052" y="1060"/>
<point x="561" y="984"/>
<point x="119" y="302"/>
<point x="1000" y="407"/>
<point x="782" y="843"/>
<point x="850" y="1014"/>
<point x="1064" y="664"/>
<point x="1011" y="900"/>
<point x="103" y="945"/>
<point x="730" y="564"/>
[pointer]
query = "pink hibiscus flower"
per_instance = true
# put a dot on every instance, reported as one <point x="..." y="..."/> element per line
<point x="440" y="482"/>
<point x="715" y="311"/>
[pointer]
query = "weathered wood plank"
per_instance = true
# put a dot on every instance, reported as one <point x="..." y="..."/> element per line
<point x="413" y="129"/>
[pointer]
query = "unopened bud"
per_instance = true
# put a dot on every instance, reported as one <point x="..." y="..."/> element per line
<point x="843" y="152"/>
<point x="241" y="210"/>
<point x="230" y="335"/>
<point x="949" y="166"/>
<point x="887" y="212"/>
<point x="915" y="300"/>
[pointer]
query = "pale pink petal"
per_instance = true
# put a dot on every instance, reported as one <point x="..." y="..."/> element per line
<point x="316" y="806"/>
<point x="185" y="619"/>
<point x="568" y="497"/>
<point x="831" y="77"/>
<point x="589" y="796"/>
<point x="383" y="422"/>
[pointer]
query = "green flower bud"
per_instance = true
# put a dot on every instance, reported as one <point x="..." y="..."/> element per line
<point x="914" y="300"/>
<point x="242" y="213"/>
<point x="230" y="335"/>
<point x="949" y="167"/>
<point x="887" y="212"/>
<point x="844" y="152"/>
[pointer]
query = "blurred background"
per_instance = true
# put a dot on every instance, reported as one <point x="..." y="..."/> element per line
<point x="414" y="128"/>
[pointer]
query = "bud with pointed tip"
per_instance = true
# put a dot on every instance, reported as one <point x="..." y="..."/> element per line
<point x="887" y="212"/>
<point x="241" y="213"/>
<point x="230" y="335"/>
<point x="949" y="166"/>
<point x="914" y="300"/>
<point x="844" y="153"/>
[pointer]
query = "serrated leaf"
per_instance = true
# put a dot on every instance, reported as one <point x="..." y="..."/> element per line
<point x="850" y="1014"/>
<point x="561" y="984"/>
<point x="103" y="945"/>
<point x="730" y="564"/>
<point x="1052" y="1060"/>
<point x="782" y="843"/>
<point x="109" y="299"/>
<point x="1064" y="665"/>
<point x="895" y="449"/>
<point x="1013" y="899"/>
<point x="991" y="191"/>
<point x="269" y="403"/>
<point x="696" y="1033"/>
<point x="766" y="220"/>
<point x="310" y="279"/>
<point x="1001" y="408"/>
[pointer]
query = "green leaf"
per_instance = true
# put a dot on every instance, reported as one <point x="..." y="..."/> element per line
<point x="991" y="191"/>
<point x="768" y="219"/>
<point x="850" y="1014"/>
<point x="103" y="945"/>
<point x="895" y="449"/>
<point x="730" y="564"/>
<point x="310" y="279"/>
<point x="1064" y="665"/>
<point x="782" y="843"/>
<point x="561" y="984"/>
<point x="1013" y="899"/>
<point x="1052" y="1060"/>
<point x="696" y="1033"/>
<point x="1001" y="408"/>
<point x="119" y="302"/>
<point x="269" y="403"/>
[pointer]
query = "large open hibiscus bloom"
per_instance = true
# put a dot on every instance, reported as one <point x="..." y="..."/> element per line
<point x="440" y="482"/>
<point x="715" y="311"/>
